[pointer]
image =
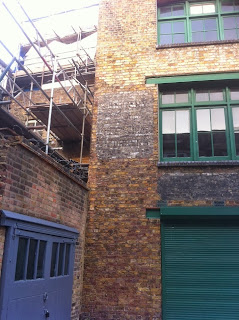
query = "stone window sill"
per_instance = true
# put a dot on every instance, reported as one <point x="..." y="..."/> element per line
<point x="228" y="163"/>
<point x="195" y="44"/>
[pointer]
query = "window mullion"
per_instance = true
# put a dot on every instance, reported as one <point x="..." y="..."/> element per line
<point x="194" y="126"/>
<point x="211" y="133"/>
<point x="220" y="22"/>
<point x="188" y="28"/>
<point x="175" y="135"/>
<point x="230" y="126"/>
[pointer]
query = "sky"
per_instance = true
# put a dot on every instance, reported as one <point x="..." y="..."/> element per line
<point x="47" y="16"/>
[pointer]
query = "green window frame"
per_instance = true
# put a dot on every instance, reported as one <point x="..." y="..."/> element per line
<point x="199" y="124"/>
<point x="198" y="22"/>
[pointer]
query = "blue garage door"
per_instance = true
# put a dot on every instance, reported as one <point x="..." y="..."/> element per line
<point x="37" y="271"/>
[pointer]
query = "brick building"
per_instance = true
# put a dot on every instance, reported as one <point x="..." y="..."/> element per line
<point x="162" y="233"/>
<point x="160" y="239"/>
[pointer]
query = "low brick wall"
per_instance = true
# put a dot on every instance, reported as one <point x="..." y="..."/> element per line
<point x="31" y="183"/>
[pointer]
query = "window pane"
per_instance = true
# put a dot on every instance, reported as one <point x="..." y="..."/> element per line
<point x="181" y="97"/>
<point x="166" y="28"/>
<point x="230" y="35"/>
<point x="211" y="36"/>
<point x="202" y="96"/>
<point x="41" y="259"/>
<point x="229" y="22"/>
<point x="202" y="8"/>
<point x="209" y="8"/>
<point x="178" y="27"/>
<point x="31" y="259"/>
<point x="183" y="145"/>
<point x="182" y="121"/>
<point x="234" y="94"/>
<point x="67" y="259"/>
<point x="216" y="95"/>
<point x="169" y="145"/>
<point x="53" y="259"/>
<point x="218" y="119"/>
<point x="166" y="39"/>
<point x="237" y="142"/>
<point x="210" y="24"/>
<point x="60" y="260"/>
<point x="195" y="9"/>
<point x="178" y="11"/>
<point x="204" y="144"/>
<point x="165" y="12"/>
<point x="197" y="25"/>
<point x="198" y="37"/>
<point x="235" y="114"/>
<point x="167" y="98"/>
<point x="219" y="144"/>
<point x="168" y="122"/>
<point x="178" y="38"/>
<point x="203" y="120"/>
<point x="227" y="6"/>
<point x="21" y="259"/>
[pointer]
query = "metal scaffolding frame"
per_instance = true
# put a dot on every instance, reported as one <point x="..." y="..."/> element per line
<point x="75" y="72"/>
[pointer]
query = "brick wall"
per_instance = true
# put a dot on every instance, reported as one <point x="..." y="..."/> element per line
<point x="122" y="277"/>
<point x="33" y="184"/>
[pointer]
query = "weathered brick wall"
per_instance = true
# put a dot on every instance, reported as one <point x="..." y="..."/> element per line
<point x="33" y="184"/>
<point x="199" y="186"/>
<point x="122" y="277"/>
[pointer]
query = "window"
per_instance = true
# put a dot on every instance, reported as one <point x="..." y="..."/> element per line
<point x="199" y="125"/>
<point x="198" y="22"/>
<point x="60" y="259"/>
<point x="30" y="259"/>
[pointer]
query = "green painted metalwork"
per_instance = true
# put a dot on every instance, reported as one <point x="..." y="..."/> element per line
<point x="225" y="102"/>
<point x="187" y="213"/>
<point x="200" y="262"/>
<point x="194" y="78"/>
<point x="171" y="15"/>
<point x="153" y="213"/>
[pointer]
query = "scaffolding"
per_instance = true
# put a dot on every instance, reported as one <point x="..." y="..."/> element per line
<point x="66" y="119"/>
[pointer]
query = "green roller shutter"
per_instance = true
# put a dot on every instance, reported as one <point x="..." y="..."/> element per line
<point x="200" y="269"/>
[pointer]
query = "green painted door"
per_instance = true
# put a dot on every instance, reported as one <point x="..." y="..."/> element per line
<point x="200" y="270"/>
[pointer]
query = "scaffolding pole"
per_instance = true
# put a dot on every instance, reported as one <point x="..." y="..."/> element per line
<point x="50" y="107"/>
<point x="25" y="109"/>
<point x="40" y="88"/>
<point x="5" y="71"/>
<point x="83" y="126"/>
<point x="77" y="99"/>
<point x="51" y="53"/>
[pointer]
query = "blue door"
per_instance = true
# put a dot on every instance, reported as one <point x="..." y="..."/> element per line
<point x="37" y="271"/>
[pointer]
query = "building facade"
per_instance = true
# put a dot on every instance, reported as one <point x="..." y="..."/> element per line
<point x="162" y="232"/>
